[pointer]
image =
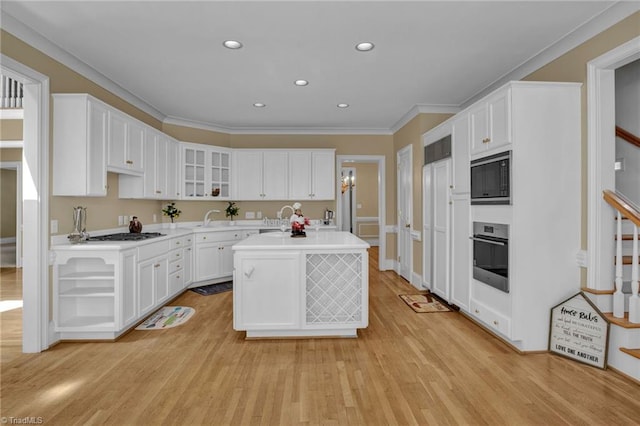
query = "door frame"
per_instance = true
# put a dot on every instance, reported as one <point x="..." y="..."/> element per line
<point x="382" y="203"/>
<point x="601" y="154"/>
<point x="408" y="151"/>
<point x="17" y="166"/>
<point x="37" y="330"/>
<point x="353" y="200"/>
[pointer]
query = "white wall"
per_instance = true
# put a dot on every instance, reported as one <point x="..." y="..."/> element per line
<point x="628" y="117"/>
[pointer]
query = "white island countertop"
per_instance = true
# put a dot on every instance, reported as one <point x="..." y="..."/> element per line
<point x="313" y="240"/>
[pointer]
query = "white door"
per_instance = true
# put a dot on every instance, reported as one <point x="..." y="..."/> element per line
<point x="405" y="208"/>
<point x="441" y="209"/>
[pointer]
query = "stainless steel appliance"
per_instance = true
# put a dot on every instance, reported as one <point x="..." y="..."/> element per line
<point x="328" y="216"/>
<point x="79" y="233"/>
<point x="491" y="254"/>
<point x="491" y="179"/>
<point x="126" y="236"/>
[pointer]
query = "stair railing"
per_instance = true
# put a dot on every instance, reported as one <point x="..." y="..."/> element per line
<point x="11" y="93"/>
<point x="625" y="209"/>
<point x="627" y="136"/>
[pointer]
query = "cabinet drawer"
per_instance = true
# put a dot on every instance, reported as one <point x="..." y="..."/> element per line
<point x="177" y="243"/>
<point x="217" y="236"/>
<point x="175" y="266"/>
<point x="176" y="255"/>
<point x="491" y="318"/>
<point x="152" y="250"/>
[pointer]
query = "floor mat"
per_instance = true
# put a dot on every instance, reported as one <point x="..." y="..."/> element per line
<point x="167" y="317"/>
<point x="207" y="290"/>
<point x="424" y="303"/>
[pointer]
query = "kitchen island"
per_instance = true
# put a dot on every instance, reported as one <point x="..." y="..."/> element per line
<point x="301" y="287"/>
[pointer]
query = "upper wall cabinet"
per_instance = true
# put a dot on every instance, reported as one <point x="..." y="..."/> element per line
<point x="80" y="126"/>
<point x="126" y="144"/>
<point x="160" y="178"/>
<point x="206" y="172"/>
<point x="491" y="122"/>
<point x="261" y="174"/>
<point x="312" y="174"/>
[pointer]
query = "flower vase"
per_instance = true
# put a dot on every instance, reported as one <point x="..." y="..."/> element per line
<point x="173" y="225"/>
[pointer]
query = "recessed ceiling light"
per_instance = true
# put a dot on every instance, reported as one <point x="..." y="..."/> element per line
<point x="232" y="44"/>
<point x="365" y="46"/>
<point x="343" y="105"/>
<point x="259" y="105"/>
<point x="301" y="82"/>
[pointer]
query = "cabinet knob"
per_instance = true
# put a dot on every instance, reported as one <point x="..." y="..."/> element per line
<point x="129" y="162"/>
<point x="486" y="140"/>
<point x="178" y="276"/>
<point x="495" y="323"/>
<point x="157" y="265"/>
<point x="477" y="311"/>
<point x="158" y="192"/>
<point x="204" y="238"/>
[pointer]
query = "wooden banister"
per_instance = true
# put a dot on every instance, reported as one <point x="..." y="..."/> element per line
<point x="623" y="205"/>
<point x="627" y="136"/>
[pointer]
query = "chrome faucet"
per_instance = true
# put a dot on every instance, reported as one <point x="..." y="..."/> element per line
<point x="206" y="219"/>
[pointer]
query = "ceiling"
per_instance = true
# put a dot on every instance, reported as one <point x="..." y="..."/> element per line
<point x="428" y="55"/>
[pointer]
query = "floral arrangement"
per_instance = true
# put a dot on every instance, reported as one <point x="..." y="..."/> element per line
<point x="172" y="211"/>
<point x="231" y="210"/>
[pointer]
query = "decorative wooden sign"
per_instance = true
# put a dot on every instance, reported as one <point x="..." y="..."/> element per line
<point x="579" y="331"/>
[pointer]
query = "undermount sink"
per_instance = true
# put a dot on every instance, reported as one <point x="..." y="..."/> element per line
<point x="277" y="234"/>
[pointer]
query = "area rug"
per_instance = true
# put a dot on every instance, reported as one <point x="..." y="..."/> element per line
<point x="424" y="303"/>
<point x="167" y="317"/>
<point x="210" y="289"/>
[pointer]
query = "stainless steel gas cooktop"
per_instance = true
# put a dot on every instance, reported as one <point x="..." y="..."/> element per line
<point x="126" y="236"/>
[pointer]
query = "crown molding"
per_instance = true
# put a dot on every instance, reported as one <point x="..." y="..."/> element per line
<point x="38" y="41"/>
<point x="275" y="130"/>
<point x="606" y="19"/>
<point x="423" y="109"/>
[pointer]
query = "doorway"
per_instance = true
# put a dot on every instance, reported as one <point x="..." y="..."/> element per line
<point x="35" y="206"/>
<point x="375" y="232"/>
<point x="348" y="194"/>
<point x="11" y="214"/>
<point x="601" y="122"/>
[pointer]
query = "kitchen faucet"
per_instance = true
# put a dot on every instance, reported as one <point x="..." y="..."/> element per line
<point x="279" y="214"/>
<point x="206" y="219"/>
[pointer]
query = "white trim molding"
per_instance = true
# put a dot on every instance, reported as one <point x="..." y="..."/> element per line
<point x="36" y="326"/>
<point x="11" y="144"/>
<point x="11" y="113"/>
<point x="601" y="155"/>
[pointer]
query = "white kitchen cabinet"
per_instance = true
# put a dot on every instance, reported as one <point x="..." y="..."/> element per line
<point x="312" y="174"/>
<point x="180" y="258"/>
<point x="206" y="172"/>
<point x="460" y="130"/>
<point x="80" y="126"/>
<point x="261" y="174"/>
<point x="94" y="292"/>
<point x="440" y="246"/>
<point x="159" y="180"/>
<point x="213" y="260"/>
<point x="125" y="144"/>
<point x="490" y="121"/>
<point x="152" y="274"/>
<point x="460" y="279"/>
<point x="267" y="291"/>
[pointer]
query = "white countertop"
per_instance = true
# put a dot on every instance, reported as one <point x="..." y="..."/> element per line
<point x="313" y="240"/>
<point x="61" y="242"/>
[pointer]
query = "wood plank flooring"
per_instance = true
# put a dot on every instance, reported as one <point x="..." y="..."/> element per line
<point x="405" y="368"/>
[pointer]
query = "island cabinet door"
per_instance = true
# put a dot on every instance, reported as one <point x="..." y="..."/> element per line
<point x="266" y="294"/>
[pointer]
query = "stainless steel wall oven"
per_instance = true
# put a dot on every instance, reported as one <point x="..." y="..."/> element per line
<point x="491" y="254"/>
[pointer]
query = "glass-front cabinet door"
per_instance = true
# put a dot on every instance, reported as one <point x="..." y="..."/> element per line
<point x="206" y="172"/>
<point x="194" y="172"/>
<point x="220" y="174"/>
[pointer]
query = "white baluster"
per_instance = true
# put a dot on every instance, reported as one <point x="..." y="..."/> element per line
<point x="12" y="93"/>
<point x="634" y="301"/>
<point x="618" y="296"/>
<point x="5" y="89"/>
<point x="20" y="95"/>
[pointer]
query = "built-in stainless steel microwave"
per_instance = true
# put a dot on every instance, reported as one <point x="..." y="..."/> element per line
<point x="491" y="179"/>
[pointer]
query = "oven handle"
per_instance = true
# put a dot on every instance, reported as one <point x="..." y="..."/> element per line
<point x="497" y="243"/>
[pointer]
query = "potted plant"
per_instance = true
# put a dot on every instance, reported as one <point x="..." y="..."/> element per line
<point x="231" y="210"/>
<point x="172" y="211"/>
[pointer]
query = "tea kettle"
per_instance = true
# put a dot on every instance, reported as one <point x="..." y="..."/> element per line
<point x="79" y="233"/>
<point x="328" y="216"/>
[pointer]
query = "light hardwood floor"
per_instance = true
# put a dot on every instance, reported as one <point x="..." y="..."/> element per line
<point x="405" y="368"/>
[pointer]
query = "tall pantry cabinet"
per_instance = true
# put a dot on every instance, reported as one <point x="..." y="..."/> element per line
<point x="539" y="122"/>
